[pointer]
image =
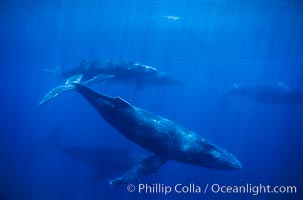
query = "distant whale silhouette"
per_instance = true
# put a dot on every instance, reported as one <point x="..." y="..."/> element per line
<point x="166" y="139"/>
<point x="132" y="73"/>
<point x="105" y="160"/>
<point x="273" y="94"/>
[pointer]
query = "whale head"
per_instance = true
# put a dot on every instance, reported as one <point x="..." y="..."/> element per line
<point x="209" y="155"/>
<point x="162" y="78"/>
<point x="224" y="160"/>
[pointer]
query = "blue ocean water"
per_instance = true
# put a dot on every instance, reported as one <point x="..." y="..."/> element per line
<point x="210" y="45"/>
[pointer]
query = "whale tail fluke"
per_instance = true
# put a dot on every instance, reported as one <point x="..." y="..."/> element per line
<point x="69" y="85"/>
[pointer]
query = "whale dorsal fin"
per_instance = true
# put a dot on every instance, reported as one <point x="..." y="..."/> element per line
<point x="121" y="102"/>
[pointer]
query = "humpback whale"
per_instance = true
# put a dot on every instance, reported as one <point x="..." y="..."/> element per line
<point x="132" y="73"/>
<point x="105" y="160"/>
<point x="165" y="138"/>
<point x="272" y="94"/>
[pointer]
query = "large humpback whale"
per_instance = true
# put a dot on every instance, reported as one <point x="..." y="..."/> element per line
<point x="273" y="94"/>
<point x="165" y="138"/>
<point x="132" y="73"/>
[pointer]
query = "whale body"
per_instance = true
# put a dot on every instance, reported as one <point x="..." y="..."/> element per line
<point x="165" y="138"/>
<point x="105" y="160"/>
<point x="272" y="94"/>
<point x="132" y="73"/>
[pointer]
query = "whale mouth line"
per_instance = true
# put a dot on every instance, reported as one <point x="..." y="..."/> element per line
<point x="230" y="166"/>
<point x="230" y="163"/>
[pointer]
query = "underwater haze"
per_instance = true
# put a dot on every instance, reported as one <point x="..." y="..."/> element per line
<point x="66" y="150"/>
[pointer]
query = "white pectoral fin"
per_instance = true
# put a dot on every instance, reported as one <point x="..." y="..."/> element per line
<point x="55" y="92"/>
<point x="144" y="168"/>
<point x="69" y="85"/>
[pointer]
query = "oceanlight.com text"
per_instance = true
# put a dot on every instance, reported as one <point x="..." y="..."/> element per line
<point x="252" y="189"/>
<point x="193" y="188"/>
